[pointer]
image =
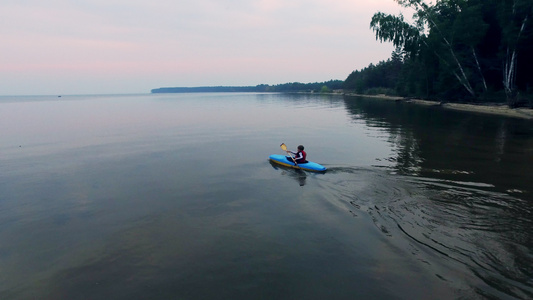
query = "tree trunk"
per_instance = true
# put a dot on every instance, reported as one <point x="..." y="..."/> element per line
<point x="479" y="69"/>
<point x="509" y="69"/>
<point x="509" y="78"/>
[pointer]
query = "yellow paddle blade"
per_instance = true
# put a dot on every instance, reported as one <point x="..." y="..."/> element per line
<point x="283" y="147"/>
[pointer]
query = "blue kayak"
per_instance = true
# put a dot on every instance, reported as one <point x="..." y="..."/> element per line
<point x="308" y="166"/>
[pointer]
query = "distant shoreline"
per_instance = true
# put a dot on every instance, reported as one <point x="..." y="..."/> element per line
<point x="485" y="108"/>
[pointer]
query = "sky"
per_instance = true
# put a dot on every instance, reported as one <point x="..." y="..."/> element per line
<point x="60" y="47"/>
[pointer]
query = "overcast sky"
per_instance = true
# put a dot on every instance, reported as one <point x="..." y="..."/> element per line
<point x="131" y="46"/>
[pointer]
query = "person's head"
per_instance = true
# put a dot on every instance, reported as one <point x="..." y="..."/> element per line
<point x="301" y="148"/>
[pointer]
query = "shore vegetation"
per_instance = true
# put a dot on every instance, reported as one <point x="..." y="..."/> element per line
<point x="454" y="50"/>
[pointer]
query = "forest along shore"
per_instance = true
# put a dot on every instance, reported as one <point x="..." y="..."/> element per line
<point x="495" y="109"/>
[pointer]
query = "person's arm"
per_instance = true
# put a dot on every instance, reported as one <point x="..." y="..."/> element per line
<point x="300" y="155"/>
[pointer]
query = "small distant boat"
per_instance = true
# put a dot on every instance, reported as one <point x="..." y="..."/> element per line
<point x="308" y="166"/>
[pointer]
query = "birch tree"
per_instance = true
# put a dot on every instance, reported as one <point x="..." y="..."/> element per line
<point x="431" y="24"/>
<point x="514" y="17"/>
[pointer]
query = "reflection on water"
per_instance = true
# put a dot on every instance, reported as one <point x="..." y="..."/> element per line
<point x="446" y="144"/>
<point x="294" y="174"/>
<point x="460" y="231"/>
<point x="171" y="196"/>
<point x="467" y="196"/>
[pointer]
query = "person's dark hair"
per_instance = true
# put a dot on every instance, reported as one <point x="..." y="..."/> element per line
<point x="301" y="147"/>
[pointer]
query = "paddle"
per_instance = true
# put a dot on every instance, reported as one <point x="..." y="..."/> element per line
<point x="284" y="148"/>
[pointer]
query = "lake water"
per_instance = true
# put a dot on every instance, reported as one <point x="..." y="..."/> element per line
<point x="171" y="196"/>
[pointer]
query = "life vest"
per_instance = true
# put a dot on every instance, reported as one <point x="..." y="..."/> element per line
<point x="303" y="158"/>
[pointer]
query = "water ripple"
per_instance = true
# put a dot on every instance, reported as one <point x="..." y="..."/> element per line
<point x="486" y="232"/>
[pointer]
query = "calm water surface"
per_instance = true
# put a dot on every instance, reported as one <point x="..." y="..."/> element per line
<point x="172" y="197"/>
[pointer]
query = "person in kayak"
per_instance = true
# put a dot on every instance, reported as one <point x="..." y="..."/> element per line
<point x="299" y="156"/>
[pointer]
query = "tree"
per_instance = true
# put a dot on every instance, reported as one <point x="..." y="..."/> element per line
<point x="477" y="43"/>
<point x="413" y="37"/>
<point x="325" y="89"/>
<point x="513" y="17"/>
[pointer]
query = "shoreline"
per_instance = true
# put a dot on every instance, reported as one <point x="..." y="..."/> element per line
<point x="493" y="109"/>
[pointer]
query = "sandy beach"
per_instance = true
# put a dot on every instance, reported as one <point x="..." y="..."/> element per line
<point x="495" y="109"/>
